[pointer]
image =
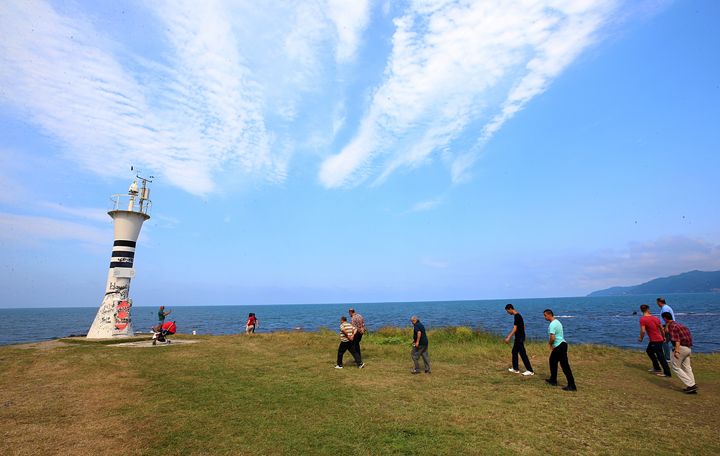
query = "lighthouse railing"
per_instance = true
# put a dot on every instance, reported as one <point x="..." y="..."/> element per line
<point x="126" y="202"/>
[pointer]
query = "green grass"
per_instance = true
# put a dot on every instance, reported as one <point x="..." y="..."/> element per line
<point x="279" y="394"/>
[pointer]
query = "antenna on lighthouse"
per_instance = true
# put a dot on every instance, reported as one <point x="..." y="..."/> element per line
<point x="144" y="190"/>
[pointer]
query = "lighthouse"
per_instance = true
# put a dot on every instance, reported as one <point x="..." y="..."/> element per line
<point x="128" y="213"/>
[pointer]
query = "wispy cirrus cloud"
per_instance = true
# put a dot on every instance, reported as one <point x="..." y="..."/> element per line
<point x="31" y="230"/>
<point x="64" y="80"/>
<point x="457" y="66"/>
<point x="87" y="213"/>
<point x="426" y="205"/>
<point x="350" y="19"/>
<point x="200" y="104"/>
<point x="435" y="264"/>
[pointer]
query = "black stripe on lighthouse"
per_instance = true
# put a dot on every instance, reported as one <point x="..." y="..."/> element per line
<point x="123" y="254"/>
<point x="122" y="259"/>
<point x="121" y="243"/>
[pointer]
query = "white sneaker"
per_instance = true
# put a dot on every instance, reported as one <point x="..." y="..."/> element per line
<point x="338" y="367"/>
<point x="513" y="370"/>
<point x="528" y="373"/>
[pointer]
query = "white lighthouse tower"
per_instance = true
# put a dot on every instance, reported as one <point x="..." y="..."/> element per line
<point x="113" y="316"/>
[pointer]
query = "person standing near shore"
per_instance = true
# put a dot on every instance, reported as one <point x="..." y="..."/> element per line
<point x="519" y="343"/>
<point x="347" y="334"/>
<point x="420" y="346"/>
<point x="558" y="352"/>
<point x="667" y="346"/>
<point x="358" y="323"/>
<point x="656" y="338"/>
<point x="251" y="324"/>
<point x="162" y="314"/>
<point x="682" y="340"/>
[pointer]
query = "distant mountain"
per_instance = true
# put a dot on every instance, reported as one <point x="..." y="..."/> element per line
<point x="687" y="282"/>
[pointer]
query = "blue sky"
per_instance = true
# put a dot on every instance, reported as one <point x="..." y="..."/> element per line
<point x="353" y="151"/>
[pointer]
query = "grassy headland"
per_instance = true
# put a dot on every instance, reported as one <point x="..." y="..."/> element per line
<point x="279" y="394"/>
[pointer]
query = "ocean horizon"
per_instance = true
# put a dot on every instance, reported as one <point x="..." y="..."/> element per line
<point x="595" y="320"/>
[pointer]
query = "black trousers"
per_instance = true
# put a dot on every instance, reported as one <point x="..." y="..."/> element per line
<point x="559" y="355"/>
<point x="347" y="346"/>
<point x="655" y="352"/>
<point x="519" y="349"/>
<point x="356" y="343"/>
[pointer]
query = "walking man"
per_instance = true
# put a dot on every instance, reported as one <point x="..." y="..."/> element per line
<point x="667" y="346"/>
<point x="656" y="338"/>
<point x="558" y="353"/>
<point x="347" y="333"/>
<point x="682" y="340"/>
<point x="420" y="346"/>
<point x="519" y="344"/>
<point x="358" y="323"/>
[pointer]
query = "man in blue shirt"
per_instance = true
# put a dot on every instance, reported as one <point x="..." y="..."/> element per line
<point x="558" y="353"/>
<point x="667" y="346"/>
<point x="420" y="346"/>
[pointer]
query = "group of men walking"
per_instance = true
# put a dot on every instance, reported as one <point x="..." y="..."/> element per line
<point x="669" y="345"/>
<point x="351" y="334"/>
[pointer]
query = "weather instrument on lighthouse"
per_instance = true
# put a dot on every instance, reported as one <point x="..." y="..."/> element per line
<point x="129" y="211"/>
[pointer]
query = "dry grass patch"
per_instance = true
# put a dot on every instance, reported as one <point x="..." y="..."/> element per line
<point x="56" y="401"/>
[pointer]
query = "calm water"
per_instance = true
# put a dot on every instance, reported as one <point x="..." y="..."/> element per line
<point x="603" y="320"/>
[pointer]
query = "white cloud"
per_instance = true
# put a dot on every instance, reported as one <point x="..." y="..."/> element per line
<point x="435" y="264"/>
<point x="12" y="189"/>
<point x="88" y="213"/>
<point x="164" y="221"/>
<point x="579" y="273"/>
<point x="350" y="18"/>
<point x="452" y="64"/>
<point x="643" y="261"/>
<point x="194" y="107"/>
<point x="31" y="230"/>
<point x="426" y="205"/>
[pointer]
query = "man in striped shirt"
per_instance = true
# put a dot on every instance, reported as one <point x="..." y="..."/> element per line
<point x="358" y="323"/>
<point x="682" y="341"/>
<point x="347" y="334"/>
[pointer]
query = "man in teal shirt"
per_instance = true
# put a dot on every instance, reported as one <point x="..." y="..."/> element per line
<point x="558" y="353"/>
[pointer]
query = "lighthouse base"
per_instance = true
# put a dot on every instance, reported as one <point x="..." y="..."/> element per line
<point x="112" y="320"/>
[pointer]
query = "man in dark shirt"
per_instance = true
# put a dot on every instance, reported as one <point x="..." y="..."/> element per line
<point x="682" y="341"/>
<point x="420" y="346"/>
<point x="519" y="344"/>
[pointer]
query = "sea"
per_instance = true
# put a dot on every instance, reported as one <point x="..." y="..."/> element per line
<point x="596" y="320"/>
